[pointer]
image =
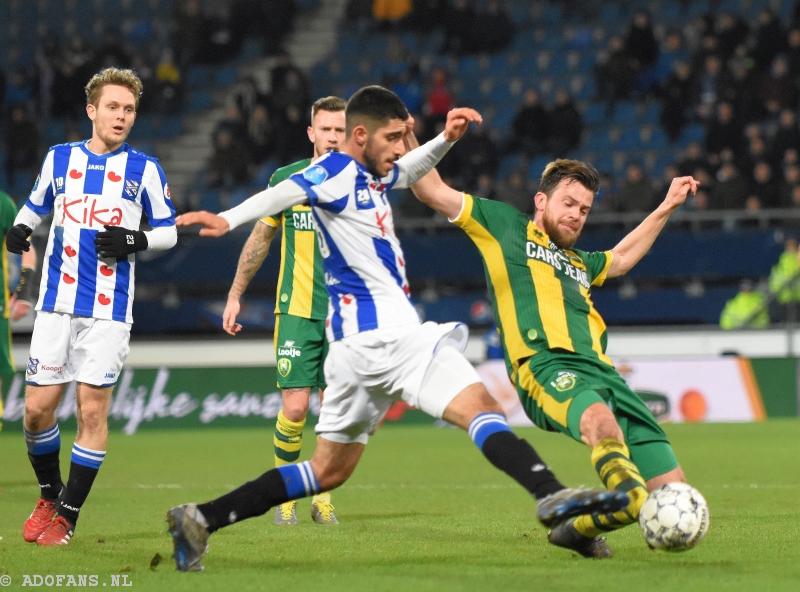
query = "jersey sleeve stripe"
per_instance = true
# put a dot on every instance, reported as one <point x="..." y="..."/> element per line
<point x="305" y="186"/>
<point x="42" y="196"/>
<point x="395" y="174"/>
<point x="601" y="277"/>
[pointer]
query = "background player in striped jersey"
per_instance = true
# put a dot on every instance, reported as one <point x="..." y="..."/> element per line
<point x="301" y="305"/>
<point x="553" y="338"/>
<point x="16" y="306"/>
<point x="98" y="189"/>
<point x="380" y="352"/>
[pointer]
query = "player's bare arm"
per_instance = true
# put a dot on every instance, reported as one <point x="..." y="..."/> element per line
<point x="637" y="243"/>
<point x="253" y="254"/>
<point x="270" y="202"/>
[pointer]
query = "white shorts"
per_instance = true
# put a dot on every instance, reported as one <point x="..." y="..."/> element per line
<point x="66" y="347"/>
<point x="368" y="372"/>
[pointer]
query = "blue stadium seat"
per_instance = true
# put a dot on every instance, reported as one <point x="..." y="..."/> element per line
<point x="320" y="72"/>
<point x="652" y="114"/>
<point x="237" y="196"/>
<point x="198" y="77"/>
<point x="468" y="67"/>
<point x="624" y="114"/>
<point x="697" y="8"/>
<point x="610" y="13"/>
<point x="694" y="132"/>
<point x="630" y="139"/>
<point x="54" y="132"/>
<point x="225" y="76"/>
<point x="582" y="90"/>
<point x="604" y="164"/>
<point x="264" y="173"/>
<point x="508" y="164"/>
<point x="209" y="201"/>
<point x="251" y="50"/>
<point x="551" y="15"/>
<point x="348" y="47"/>
<point x="558" y="64"/>
<point x="669" y="12"/>
<point x="521" y="15"/>
<point x="536" y="168"/>
<point x="657" y="141"/>
<point x="595" y="114"/>
<point x="523" y="42"/>
<point x="198" y="101"/>
<point x="498" y="65"/>
<point x="409" y="42"/>
<point x="376" y="45"/>
<point x="501" y="93"/>
<point x="170" y="127"/>
<point x="597" y="140"/>
<point x="662" y="161"/>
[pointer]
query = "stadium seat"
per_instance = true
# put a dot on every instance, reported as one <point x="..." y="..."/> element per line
<point x="657" y="140"/>
<point x="610" y="14"/>
<point x="536" y="168"/>
<point x="624" y="114"/>
<point x="198" y="101"/>
<point x="508" y="164"/>
<point x="697" y="8"/>
<point x="210" y="201"/>
<point x="651" y="114"/>
<point x="630" y="139"/>
<point x="348" y="47"/>
<point x="669" y="12"/>
<point x="225" y="76"/>
<point x="551" y="14"/>
<point x="694" y="132"/>
<point x="170" y="127"/>
<point x="597" y="140"/>
<point x="144" y="129"/>
<point x="197" y="77"/>
<point x="595" y="114"/>
<point x="468" y="67"/>
<point x="237" y="196"/>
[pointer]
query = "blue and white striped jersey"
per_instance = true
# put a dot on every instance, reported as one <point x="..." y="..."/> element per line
<point x="364" y="263"/>
<point x="87" y="191"/>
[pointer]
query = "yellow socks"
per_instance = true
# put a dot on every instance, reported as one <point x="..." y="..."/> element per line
<point x="612" y="461"/>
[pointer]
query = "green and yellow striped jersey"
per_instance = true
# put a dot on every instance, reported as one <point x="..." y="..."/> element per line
<point x="301" y="283"/>
<point x="8" y="211"/>
<point x="540" y="293"/>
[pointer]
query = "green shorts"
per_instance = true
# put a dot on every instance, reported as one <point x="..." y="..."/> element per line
<point x="6" y="360"/>
<point x="556" y="387"/>
<point x="300" y="349"/>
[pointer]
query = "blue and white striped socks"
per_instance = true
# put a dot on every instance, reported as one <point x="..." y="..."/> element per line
<point x="43" y="442"/>
<point x="300" y="480"/>
<point x="87" y="457"/>
<point x="82" y="472"/>
<point x="43" y="451"/>
<point x="486" y="424"/>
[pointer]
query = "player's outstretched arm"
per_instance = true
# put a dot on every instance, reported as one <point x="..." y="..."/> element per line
<point x="418" y="162"/>
<point x="270" y="202"/>
<point x="635" y="245"/>
<point x="253" y="254"/>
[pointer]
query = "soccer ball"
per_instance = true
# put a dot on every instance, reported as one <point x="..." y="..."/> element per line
<point x="674" y="517"/>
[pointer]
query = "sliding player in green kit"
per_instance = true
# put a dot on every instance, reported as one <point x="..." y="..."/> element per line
<point x="301" y="307"/>
<point x="553" y="338"/>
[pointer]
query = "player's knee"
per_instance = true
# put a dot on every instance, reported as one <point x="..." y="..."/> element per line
<point x="295" y="404"/>
<point x="38" y="416"/>
<point x="469" y="403"/>
<point x="92" y="420"/>
<point x="598" y="423"/>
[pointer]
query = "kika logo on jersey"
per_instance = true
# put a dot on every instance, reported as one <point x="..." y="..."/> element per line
<point x="96" y="167"/>
<point x="33" y="366"/>
<point x="289" y="349"/>
<point x="564" y="381"/>
<point x="558" y="260"/>
<point x="315" y="174"/>
<point x="89" y="213"/>
<point x="131" y="188"/>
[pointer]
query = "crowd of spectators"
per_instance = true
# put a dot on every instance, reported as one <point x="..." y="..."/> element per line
<point x="258" y="127"/>
<point x="198" y="32"/>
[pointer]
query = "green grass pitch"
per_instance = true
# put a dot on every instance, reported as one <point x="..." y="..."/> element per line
<point x="423" y="511"/>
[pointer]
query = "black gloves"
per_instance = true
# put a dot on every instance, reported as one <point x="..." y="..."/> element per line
<point x="17" y="239"/>
<point x="118" y="242"/>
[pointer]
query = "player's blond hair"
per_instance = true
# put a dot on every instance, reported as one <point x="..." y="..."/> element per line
<point x="115" y="76"/>
<point x="332" y="104"/>
<point x="575" y="170"/>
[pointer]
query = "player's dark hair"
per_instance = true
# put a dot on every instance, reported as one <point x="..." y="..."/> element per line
<point x="561" y="169"/>
<point x="332" y="104"/>
<point x="374" y="103"/>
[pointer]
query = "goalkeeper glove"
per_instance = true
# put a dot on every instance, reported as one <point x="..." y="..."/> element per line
<point x="17" y="239"/>
<point x="118" y="242"/>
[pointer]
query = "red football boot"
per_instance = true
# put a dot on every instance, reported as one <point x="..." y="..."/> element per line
<point x="57" y="534"/>
<point x="39" y="520"/>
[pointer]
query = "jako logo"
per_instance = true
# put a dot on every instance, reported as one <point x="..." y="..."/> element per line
<point x="96" y="167"/>
<point x="110" y="375"/>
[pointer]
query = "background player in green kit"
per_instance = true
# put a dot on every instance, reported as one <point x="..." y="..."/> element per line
<point x="16" y="306"/>
<point x="553" y="338"/>
<point x="301" y="307"/>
